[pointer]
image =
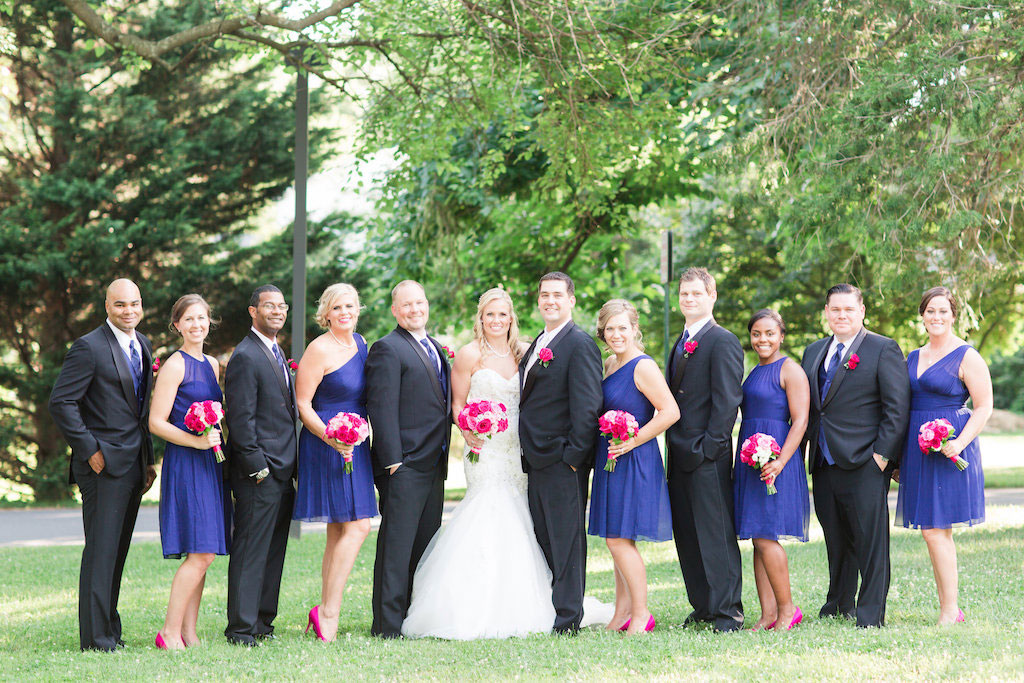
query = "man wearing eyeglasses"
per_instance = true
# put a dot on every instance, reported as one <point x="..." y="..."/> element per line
<point x="261" y="418"/>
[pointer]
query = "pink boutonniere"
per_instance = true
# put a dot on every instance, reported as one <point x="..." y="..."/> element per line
<point x="156" y="365"/>
<point x="851" y="364"/>
<point x="544" y="356"/>
<point x="293" y="365"/>
<point x="448" y="352"/>
<point x="688" y="348"/>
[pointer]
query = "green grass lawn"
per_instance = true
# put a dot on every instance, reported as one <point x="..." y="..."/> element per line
<point x="38" y="624"/>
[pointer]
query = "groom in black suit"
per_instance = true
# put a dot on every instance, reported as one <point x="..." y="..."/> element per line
<point x="408" y="401"/>
<point x="705" y="374"/>
<point x="100" y="403"/>
<point x="260" y="413"/>
<point x="860" y="406"/>
<point x="558" y="409"/>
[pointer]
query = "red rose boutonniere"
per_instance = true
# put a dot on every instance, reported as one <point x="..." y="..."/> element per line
<point x="293" y="365"/>
<point x="448" y="352"/>
<point x="156" y="365"/>
<point x="851" y="363"/>
<point x="545" y="356"/>
<point x="688" y="348"/>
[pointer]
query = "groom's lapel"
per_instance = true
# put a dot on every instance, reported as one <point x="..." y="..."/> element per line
<point x="526" y="359"/>
<point x="531" y="378"/>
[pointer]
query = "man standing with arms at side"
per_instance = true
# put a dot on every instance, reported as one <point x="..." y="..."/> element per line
<point x="100" y="403"/>
<point x="705" y="373"/>
<point x="559" y="405"/>
<point x="409" y="403"/>
<point x="260" y="413"/>
<point x="860" y="406"/>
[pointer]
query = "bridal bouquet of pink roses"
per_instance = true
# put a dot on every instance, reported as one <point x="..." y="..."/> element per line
<point x="202" y="416"/>
<point x="757" y="450"/>
<point x="350" y="429"/>
<point x="484" y="418"/>
<point x="619" y="426"/>
<point x="934" y="434"/>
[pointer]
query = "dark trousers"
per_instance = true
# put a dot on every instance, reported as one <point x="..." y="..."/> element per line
<point x="410" y="506"/>
<point x="109" y="508"/>
<point x="263" y="513"/>
<point x="558" y="501"/>
<point x="854" y="516"/>
<point x="705" y="536"/>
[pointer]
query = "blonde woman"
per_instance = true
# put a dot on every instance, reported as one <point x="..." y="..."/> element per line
<point x="330" y="380"/>
<point x="631" y="502"/>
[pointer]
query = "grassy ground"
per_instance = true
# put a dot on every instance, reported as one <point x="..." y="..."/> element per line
<point x="38" y="624"/>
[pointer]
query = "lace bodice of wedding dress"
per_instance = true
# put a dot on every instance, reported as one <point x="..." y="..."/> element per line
<point x="499" y="463"/>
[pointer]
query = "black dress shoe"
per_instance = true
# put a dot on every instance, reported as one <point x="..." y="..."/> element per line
<point x="692" y="620"/>
<point x="730" y="626"/>
<point x="120" y="643"/>
<point x="244" y="641"/>
<point x="265" y="636"/>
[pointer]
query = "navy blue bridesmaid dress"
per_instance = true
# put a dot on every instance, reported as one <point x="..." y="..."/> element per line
<point x="933" y="493"/>
<point x="325" y="492"/>
<point x="786" y="514"/>
<point x="195" y="502"/>
<point x="632" y="501"/>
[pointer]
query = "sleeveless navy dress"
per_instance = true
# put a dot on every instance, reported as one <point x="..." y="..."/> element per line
<point x="325" y="493"/>
<point x="195" y="502"/>
<point x="933" y="493"/>
<point x="786" y="514"/>
<point x="632" y="501"/>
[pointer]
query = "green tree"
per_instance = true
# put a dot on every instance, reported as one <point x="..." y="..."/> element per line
<point x="108" y="172"/>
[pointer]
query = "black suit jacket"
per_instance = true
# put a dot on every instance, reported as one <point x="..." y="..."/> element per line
<point x="866" y="409"/>
<point x="708" y="388"/>
<point x="259" y="409"/>
<point x="409" y="410"/>
<point x="94" y="405"/>
<point x="560" y="403"/>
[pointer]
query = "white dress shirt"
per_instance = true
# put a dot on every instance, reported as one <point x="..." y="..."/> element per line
<point x="696" y="327"/>
<point x="543" y="340"/>
<point x="832" y="349"/>
<point x="270" y="344"/>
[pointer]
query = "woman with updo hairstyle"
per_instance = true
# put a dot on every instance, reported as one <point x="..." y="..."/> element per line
<point x="330" y="380"/>
<point x="776" y="402"/>
<point x="631" y="502"/>
<point x="195" y="505"/>
<point x="935" y="494"/>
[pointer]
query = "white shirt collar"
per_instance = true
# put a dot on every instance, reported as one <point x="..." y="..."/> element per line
<point x="267" y="341"/>
<point x="697" y="327"/>
<point x="832" y="349"/>
<point x="124" y="339"/>
<point x="419" y="335"/>
<point x="546" y="336"/>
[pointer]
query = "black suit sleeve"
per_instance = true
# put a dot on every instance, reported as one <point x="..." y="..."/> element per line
<point x="241" y="393"/>
<point x="585" y="402"/>
<point x="73" y="381"/>
<point x="726" y="396"/>
<point x="383" y="384"/>
<point x="894" y="392"/>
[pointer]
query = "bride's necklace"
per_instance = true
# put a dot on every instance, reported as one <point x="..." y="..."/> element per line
<point x="341" y="343"/>
<point x="495" y="352"/>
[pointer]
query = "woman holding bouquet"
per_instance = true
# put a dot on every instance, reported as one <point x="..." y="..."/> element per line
<point x="776" y="402"/>
<point x="329" y="381"/>
<point x="935" y="495"/>
<point x="195" y="505"/>
<point x="631" y="503"/>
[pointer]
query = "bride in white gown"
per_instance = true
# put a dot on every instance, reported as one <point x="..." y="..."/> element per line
<point x="483" y="574"/>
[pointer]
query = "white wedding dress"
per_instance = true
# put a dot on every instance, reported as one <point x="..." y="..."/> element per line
<point x="483" y="575"/>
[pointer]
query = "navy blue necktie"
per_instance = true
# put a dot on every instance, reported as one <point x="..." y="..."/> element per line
<point x="680" y="349"/>
<point x="432" y="355"/>
<point x="830" y="373"/>
<point x="135" y="365"/>
<point x="280" y="361"/>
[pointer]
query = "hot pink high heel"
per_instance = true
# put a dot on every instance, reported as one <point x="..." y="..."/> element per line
<point x="159" y="641"/>
<point x="314" y="621"/>
<point x="625" y="626"/>
<point x="650" y="625"/>
<point x="797" y="618"/>
<point x="960" y="617"/>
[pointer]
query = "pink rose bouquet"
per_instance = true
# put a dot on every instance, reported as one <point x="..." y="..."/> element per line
<point x="757" y="450"/>
<point x="350" y="429"/>
<point x="483" y="418"/>
<point x="202" y="416"/>
<point x="619" y="426"/>
<point x="934" y="434"/>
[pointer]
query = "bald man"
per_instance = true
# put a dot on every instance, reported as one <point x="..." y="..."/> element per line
<point x="100" y="403"/>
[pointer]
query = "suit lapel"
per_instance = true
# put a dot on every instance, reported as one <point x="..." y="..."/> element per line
<point x="813" y="378"/>
<point x="123" y="372"/>
<point x="841" y="372"/>
<point x="525" y="360"/>
<point x="446" y="368"/>
<point x="427" y="363"/>
<point x="532" y="377"/>
<point x="147" y="375"/>
<point x="285" y="386"/>
<point x="677" y="373"/>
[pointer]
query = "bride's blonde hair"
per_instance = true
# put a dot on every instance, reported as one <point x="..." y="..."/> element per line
<point x="488" y="297"/>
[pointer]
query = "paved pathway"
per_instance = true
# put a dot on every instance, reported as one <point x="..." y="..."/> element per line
<point x="63" y="526"/>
